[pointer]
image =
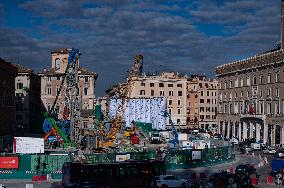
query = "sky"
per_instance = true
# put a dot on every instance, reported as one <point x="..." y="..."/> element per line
<point x="185" y="36"/>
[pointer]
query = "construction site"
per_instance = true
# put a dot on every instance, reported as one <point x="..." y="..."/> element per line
<point x="129" y="129"/>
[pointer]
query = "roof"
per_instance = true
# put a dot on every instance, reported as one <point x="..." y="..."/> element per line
<point x="82" y="71"/>
<point x="22" y="69"/>
<point x="61" y="50"/>
<point x="8" y="67"/>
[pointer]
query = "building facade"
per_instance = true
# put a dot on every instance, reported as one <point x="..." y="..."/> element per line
<point x="202" y="102"/>
<point x="28" y="102"/>
<point x="251" y="96"/>
<point x="8" y="74"/>
<point x="169" y="85"/>
<point x="50" y="86"/>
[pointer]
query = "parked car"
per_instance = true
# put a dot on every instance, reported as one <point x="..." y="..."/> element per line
<point x="270" y="150"/>
<point x="170" y="181"/>
<point x="280" y="154"/>
<point x="222" y="179"/>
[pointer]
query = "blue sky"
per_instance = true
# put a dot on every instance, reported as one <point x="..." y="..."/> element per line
<point x="191" y="37"/>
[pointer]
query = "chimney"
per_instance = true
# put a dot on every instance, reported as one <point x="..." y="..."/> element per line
<point x="282" y="24"/>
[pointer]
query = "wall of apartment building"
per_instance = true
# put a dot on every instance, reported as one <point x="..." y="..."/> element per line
<point x="169" y="85"/>
<point x="192" y="104"/>
<point x="207" y="91"/>
<point x="28" y="103"/>
<point x="7" y="101"/>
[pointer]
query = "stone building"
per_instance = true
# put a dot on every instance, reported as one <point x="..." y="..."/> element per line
<point x="202" y="102"/>
<point x="8" y="74"/>
<point x="52" y="78"/>
<point x="251" y="96"/>
<point x="28" y="103"/>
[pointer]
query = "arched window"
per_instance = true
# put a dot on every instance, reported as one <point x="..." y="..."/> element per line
<point x="57" y="63"/>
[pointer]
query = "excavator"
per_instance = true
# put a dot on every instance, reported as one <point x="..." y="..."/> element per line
<point x="123" y="94"/>
<point x="61" y="128"/>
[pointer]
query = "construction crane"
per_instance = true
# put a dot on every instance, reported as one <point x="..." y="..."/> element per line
<point x="70" y="124"/>
<point x="123" y="93"/>
<point x="173" y="141"/>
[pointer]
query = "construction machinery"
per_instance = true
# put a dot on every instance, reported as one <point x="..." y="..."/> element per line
<point x="123" y="93"/>
<point x="174" y="142"/>
<point x="66" y="130"/>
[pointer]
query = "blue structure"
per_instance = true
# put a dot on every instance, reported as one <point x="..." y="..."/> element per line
<point x="175" y="140"/>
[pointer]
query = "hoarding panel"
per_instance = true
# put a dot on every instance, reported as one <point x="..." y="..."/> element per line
<point x="28" y="145"/>
<point x="196" y="155"/>
<point x="9" y="162"/>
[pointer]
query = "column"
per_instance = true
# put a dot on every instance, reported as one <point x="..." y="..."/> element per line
<point x="273" y="135"/>
<point x="251" y="129"/>
<point x="257" y="129"/>
<point x="282" y="135"/>
<point x="228" y="130"/>
<point x="245" y="130"/>
<point x="240" y="131"/>
<point x="224" y="129"/>
<point x="219" y="127"/>
<point x="265" y="133"/>
<point x="234" y="129"/>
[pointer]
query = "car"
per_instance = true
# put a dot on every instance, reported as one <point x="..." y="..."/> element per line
<point x="243" y="169"/>
<point x="170" y="181"/>
<point x="222" y="179"/>
<point x="280" y="154"/>
<point x="269" y="150"/>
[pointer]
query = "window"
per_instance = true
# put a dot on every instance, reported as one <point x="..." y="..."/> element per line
<point x="208" y="101"/>
<point x="49" y="78"/>
<point x="162" y="93"/>
<point x="207" y="116"/>
<point x="142" y="84"/>
<point x="85" y="91"/>
<point x="201" y="100"/>
<point x="248" y="81"/>
<point x="58" y="90"/>
<point x="179" y="93"/>
<point x="171" y="93"/>
<point x="277" y="92"/>
<point x="201" y="109"/>
<point x="200" y="85"/>
<point x="86" y="78"/>
<point x="57" y="63"/>
<point x="170" y="85"/>
<point x="277" y="108"/>
<point x="195" y="96"/>
<point x="254" y="80"/>
<point x="178" y="121"/>
<point x="242" y="94"/>
<point x="277" y="77"/>
<point x="268" y="108"/>
<point x="247" y="93"/>
<point x="161" y="85"/>
<point x="269" y="78"/>
<point x="170" y="111"/>
<point x="178" y="102"/>
<point x="269" y="92"/>
<point x="179" y="85"/>
<point x="58" y="77"/>
<point x="260" y="93"/>
<point x="152" y="92"/>
<point x="261" y="108"/>
<point x="201" y="117"/>
<point x="231" y="84"/>
<point x="170" y="102"/>
<point x="142" y="92"/>
<point x="261" y="79"/>
<point x="207" y="93"/>
<point x="236" y="83"/>
<point x="152" y="84"/>
<point x="201" y="93"/>
<point x="242" y="82"/>
<point x="49" y="90"/>
<point x="178" y="111"/>
<point x="20" y="85"/>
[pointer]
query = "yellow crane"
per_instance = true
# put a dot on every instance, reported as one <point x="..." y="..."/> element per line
<point x="123" y="93"/>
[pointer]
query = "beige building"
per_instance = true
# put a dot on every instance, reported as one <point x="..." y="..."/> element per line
<point x="202" y="102"/>
<point x="169" y="85"/>
<point x="50" y="85"/>
<point x="251" y="96"/>
<point x="28" y="102"/>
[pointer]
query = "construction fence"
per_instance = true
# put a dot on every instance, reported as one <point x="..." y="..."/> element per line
<point x="30" y="165"/>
